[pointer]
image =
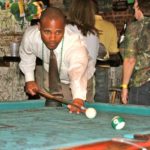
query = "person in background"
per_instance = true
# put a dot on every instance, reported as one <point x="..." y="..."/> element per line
<point x="108" y="37"/>
<point x="74" y="63"/>
<point x="82" y="21"/>
<point x="136" y="64"/>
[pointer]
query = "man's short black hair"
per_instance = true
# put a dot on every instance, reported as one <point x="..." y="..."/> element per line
<point x="51" y="13"/>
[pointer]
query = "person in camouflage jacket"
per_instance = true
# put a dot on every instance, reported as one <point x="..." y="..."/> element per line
<point x="136" y="64"/>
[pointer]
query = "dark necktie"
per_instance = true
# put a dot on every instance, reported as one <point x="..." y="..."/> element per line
<point x="54" y="80"/>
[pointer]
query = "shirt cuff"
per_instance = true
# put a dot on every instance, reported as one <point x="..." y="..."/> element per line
<point x="81" y="95"/>
<point x="29" y="77"/>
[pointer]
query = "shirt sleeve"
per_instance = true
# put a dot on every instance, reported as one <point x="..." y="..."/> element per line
<point x="130" y="41"/>
<point x="27" y="63"/>
<point x="78" y="73"/>
<point x="92" y="45"/>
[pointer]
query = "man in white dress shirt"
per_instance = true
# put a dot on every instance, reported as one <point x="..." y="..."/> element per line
<point x="74" y="64"/>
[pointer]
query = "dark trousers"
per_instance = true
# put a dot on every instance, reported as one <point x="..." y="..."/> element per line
<point x="140" y="95"/>
<point x="102" y="86"/>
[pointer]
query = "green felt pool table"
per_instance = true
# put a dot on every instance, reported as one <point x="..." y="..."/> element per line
<point x="29" y="125"/>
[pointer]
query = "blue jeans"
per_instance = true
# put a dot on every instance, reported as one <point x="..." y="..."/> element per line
<point x="140" y="95"/>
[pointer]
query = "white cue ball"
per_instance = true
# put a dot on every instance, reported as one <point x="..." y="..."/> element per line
<point x="90" y="113"/>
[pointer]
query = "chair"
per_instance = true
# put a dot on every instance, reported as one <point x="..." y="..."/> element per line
<point x="115" y="95"/>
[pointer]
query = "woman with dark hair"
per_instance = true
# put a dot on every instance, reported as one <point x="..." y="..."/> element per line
<point x="81" y="20"/>
<point x="83" y="17"/>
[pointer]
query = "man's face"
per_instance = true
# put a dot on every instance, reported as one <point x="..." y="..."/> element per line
<point x="52" y="32"/>
<point x="138" y="13"/>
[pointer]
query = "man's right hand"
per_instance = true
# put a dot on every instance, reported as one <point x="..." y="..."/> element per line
<point x="31" y="88"/>
<point x="78" y="102"/>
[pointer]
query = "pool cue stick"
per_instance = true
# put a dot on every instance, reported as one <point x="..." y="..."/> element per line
<point x="50" y="96"/>
<point x="145" y="136"/>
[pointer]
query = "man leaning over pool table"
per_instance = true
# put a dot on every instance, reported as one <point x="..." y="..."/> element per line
<point x="76" y="67"/>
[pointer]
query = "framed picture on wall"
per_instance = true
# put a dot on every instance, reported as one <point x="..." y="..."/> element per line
<point x="120" y="5"/>
<point x="105" y="5"/>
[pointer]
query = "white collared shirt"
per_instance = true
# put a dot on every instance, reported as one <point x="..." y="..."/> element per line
<point x="76" y="66"/>
<point x="90" y="41"/>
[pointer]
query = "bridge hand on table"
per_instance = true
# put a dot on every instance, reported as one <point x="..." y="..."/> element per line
<point x="77" y="102"/>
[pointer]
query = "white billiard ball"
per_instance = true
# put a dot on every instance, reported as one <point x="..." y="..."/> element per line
<point x="90" y="113"/>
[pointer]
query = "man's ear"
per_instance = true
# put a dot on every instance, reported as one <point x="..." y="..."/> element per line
<point x="39" y="26"/>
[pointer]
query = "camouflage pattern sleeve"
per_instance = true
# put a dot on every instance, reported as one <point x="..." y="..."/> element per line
<point x="131" y="38"/>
